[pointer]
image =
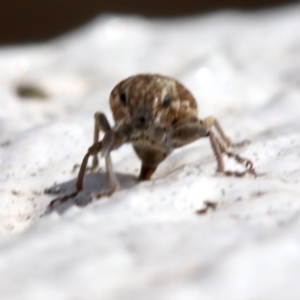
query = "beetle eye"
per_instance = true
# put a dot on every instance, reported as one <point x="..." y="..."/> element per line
<point x="123" y="99"/>
<point x="167" y="101"/>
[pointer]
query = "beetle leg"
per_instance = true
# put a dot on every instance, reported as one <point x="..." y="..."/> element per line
<point x="211" y="122"/>
<point x="111" y="141"/>
<point x="217" y="151"/>
<point x="241" y="160"/>
<point x="101" y="123"/>
<point x="192" y="131"/>
<point x="93" y="150"/>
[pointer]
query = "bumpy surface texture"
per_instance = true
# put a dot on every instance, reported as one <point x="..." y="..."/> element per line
<point x="150" y="240"/>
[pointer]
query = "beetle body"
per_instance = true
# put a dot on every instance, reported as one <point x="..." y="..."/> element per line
<point x="156" y="114"/>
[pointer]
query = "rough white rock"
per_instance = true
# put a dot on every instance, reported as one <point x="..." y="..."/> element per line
<point x="146" y="241"/>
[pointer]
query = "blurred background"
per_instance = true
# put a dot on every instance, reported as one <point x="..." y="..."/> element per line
<point x="38" y="20"/>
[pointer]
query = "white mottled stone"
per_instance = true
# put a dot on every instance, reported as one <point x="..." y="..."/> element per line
<point x="146" y="241"/>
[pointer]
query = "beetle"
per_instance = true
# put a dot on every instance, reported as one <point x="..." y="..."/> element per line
<point x="156" y="114"/>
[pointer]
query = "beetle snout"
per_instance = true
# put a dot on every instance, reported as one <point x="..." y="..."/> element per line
<point x="142" y="118"/>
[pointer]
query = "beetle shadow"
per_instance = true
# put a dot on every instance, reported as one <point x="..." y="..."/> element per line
<point x="66" y="196"/>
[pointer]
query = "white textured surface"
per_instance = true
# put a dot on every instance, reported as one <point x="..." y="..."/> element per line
<point x="146" y="241"/>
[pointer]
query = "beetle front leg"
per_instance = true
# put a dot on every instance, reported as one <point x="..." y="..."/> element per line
<point x="241" y="160"/>
<point x="101" y="123"/>
<point x="217" y="151"/>
<point x="212" y="123"/>
<point x="219" y="147"/>
<point x="193" y="131"/>
<point x="190" y="132"/>
<point x="111" y="141"/>
<point x="94" y="149"/>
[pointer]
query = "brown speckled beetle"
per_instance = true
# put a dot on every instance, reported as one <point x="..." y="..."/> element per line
<point x="156" y="114"/>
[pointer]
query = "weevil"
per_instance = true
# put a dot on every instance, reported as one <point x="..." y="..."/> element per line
<point x="156" y="114"/>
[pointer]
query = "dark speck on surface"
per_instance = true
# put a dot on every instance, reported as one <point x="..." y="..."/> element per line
<point x="30" y="91"/>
